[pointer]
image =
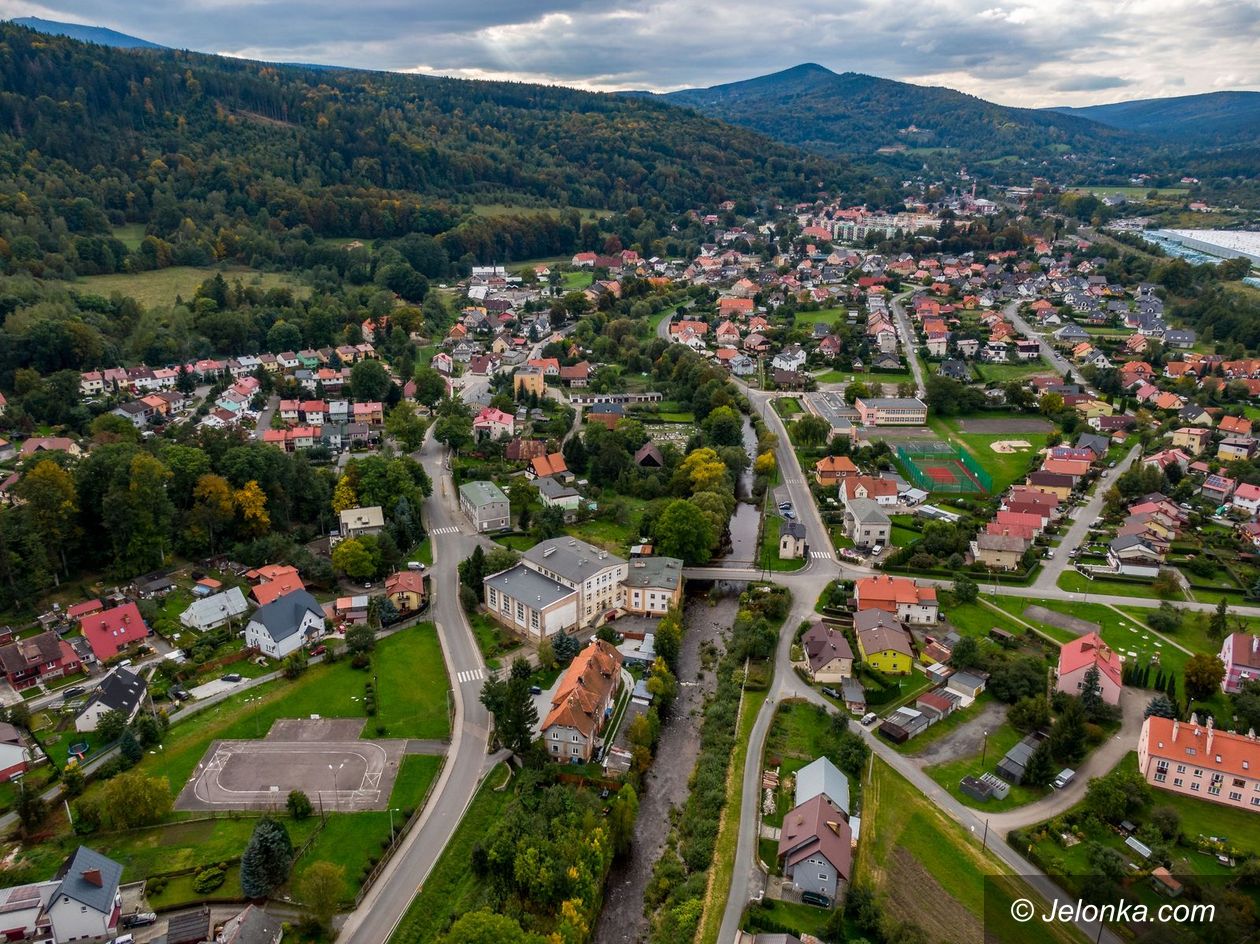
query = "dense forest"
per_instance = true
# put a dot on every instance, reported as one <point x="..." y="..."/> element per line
<point x="221" y="159"/>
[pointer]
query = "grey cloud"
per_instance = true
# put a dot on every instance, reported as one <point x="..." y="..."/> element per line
<point x="1091" y="83"/>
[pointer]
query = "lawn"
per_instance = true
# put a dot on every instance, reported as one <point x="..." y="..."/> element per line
<point x="411" y="696"/>
<point x="827" y="316"/>
<point x="1001" y="373"/>
<point x="949" y="773"/>
<point x="492" y="639"/>
<point x="837" y="376"/>
<point x="797" y="737"/>
<point x="929" y="870"/>
<point x="976" y="619"/>
<point x="787" y="406"/>
<point x="451" y="888"/>
<point x="1077" y="583"/>
<point x="160" y="286"/>
<point x="904" y="531"/>
<point x="130" y="235"/>
<point x="1005" y="468"/>
<point x="1193" y="633"/>
<point x="770" y="548"/>
<point x="1138" y="193"/>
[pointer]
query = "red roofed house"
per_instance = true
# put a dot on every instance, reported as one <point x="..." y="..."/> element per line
<point x="831" y="469"/>
<point x="542" y="466"/>
<point x="112" y="631"/>
<point x="1199" y="761"/>
<point x="1075" y="659"/>
<point x="898" y="595"/>
<point x="1235" y="425"/>
<point x="816" y="847"/>
<point x="1240" y="652"/>
<point x="87" y="608"/>
<point x="492" y="423"/>
<point x="274" y="580"/>
<point x="582" y="704"/>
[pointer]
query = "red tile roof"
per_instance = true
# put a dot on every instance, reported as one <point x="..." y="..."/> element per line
<point x="1090" y="649"/>
<point x="110" y="632"/>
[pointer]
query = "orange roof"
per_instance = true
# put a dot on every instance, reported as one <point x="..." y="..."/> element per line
<point x="552" y="464"/>
<point x="586" y="686"/>
<point x="276" y="581"/>
<point x="884" y="592"/>
<point x="1073" y="467"/>
<point x="405" y="581"/>
<point x="874" y="487"/>
<point x="835" y="465"/>
<point x="1238" y="754"/>
<point x="1090" y="650"/>
<point x="1235" y="424"/>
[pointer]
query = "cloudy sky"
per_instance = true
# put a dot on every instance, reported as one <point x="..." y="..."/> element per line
<point x="1018" y="52"/>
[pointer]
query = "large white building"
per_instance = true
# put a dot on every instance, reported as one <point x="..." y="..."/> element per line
<point x="559" y="585"/>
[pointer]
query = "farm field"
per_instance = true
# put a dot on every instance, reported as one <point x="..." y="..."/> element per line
<point x="160" y="286"/>
<point x="927" y="869"/>
<point x="1138" y="193"/>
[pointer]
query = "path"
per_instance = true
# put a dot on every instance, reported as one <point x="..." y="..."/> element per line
<point x="906" y="330"/>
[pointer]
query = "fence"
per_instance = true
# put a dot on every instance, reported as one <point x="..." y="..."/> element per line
<point x="936" y="466"/>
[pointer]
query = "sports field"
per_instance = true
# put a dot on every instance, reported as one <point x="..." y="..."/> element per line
<point x="937" y="466"/>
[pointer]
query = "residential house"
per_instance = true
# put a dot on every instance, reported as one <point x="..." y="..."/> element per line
<point x="816" y="847"/>
<point x="493" y="423"/>
<point x="1192" y="439"/>
<point x="831" y="469"/>
<point x="882" y="492"/>
<point x="1240" y="654"/>
<point x="405" y="589"/>
<point x="790" y="359"/>
<point x="485" y="505"/>
<point x="1236" y="448"/>
<point x="28" y="661"/>
<point x="1246" y="498"/>
<point x="15" y="760"/>
<point x="999" y="551"/>
<point x="1196" y="760"/>
<point x="556" y="495"/>
<point x="827" y="654"/>
<point x="285" y="625"/>
<point x="883" y="642"/>
<point x="821" y="777"/>
<point x="208" y="612"/>
<point x="792" y="543"/>
<point x="548" y="464"/>
<point x="252" y="926"/>
<point x="1078" y="656"/>
<point x="583" y="704"/>
<point x="121" y="690"/>
<point x="355" y="522"/>
<point x="653" y="585"/>
<point x="528" y="380"/>
<point x="273" y="580"/>
<point x="1218" y="488"/>
<point x="86" y="902"/>
<point x="899" y="596"/>
<point x="114" y="631"/>
<point x="865" y="523"/>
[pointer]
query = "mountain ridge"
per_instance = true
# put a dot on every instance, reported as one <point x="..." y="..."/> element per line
<point x="101" y="35"/>
<point x="1221" y="116"/>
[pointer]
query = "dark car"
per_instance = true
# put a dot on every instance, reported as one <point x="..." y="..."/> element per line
<point x="180" y="694"/>
<point x="535" y="690"/>
<point x="230" y="677"/>
<point x="139" y="919"/>
<point x="73" y="691"/>
<point x="830" y="691"/>
<point x="816" y="899"/>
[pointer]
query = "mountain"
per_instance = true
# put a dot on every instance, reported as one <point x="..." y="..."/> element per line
<point x="88" y="34"/>
<point x="854" y="114"/>
<point x="1213" y="117"/>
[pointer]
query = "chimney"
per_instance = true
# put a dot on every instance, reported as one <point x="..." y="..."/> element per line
<point x="93" y="877"/>
<point x="1176" y="728"/>
<point x="1210" y="733"/>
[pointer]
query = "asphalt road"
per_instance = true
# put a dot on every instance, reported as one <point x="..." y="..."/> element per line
<point x="909" y="342"/>
<point x="374" y="921"/>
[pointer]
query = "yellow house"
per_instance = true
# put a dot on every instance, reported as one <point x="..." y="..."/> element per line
<point x="405" y="589"/>
<point x="528" y="380"/>
<point x="1193" y="439"/>
<point x="883" y="642"/>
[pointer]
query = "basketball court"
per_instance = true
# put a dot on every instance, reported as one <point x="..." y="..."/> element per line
<point x="344" y="774"/>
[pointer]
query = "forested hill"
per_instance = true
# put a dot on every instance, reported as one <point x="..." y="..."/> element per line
<point x="1214" y="117"/>
<point x="172" y="139"/>
<point x="855" y="114"/>
<point x="88" y="34"/>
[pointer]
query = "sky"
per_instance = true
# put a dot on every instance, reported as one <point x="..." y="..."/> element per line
<point x="1017" y="52"/>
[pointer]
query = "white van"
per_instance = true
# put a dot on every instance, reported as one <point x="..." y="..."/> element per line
<point x="1065" y="777"/>
<point x="415" y="565"/>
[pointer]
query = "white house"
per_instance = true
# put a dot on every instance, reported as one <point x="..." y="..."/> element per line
<point x="790" y="358"/>
<point x="86" y="902"/>
<point x="212" y="611"/>
<point x="120" y="691"/>
<point x="285" y="624"/>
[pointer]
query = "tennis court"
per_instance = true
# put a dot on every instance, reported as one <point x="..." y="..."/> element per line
<point x="936" y="466"/>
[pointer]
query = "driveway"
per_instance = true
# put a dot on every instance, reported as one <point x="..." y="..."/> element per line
<point x="964" y="740"/>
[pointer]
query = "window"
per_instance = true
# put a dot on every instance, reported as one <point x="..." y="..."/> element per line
<point x="1235" y="796"/>
<point x="1195" y="786"/>
<point x="1255" y="801"/>
<point x="1198" y="771"/>
<point x="575" y="752"/>
<point x="1160" y="777"/>
<point x="1177" y="782"/>
<point x="1181" y="768"/>
<point x="1239" y="782"/>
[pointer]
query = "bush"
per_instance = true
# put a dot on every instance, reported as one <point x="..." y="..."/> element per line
<point x="208" y="880"/>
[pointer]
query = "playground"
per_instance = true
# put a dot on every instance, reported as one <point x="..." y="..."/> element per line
<point x="936" y="466"/>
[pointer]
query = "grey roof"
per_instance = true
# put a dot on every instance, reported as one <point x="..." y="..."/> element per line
<point x="282" y="616"/>
<point x="524" y="584"/>
<point x="251" y="926"/>
<point x="1000" y="542"/>
<point x="572" y="559"/>
<point x="370" y="516"/>
<point x="220" y="606"/>
<point x="655" y="572"/>
<point x="1100" y="444"/>
<point x="822" y="776"/>
<point x="871" y="618"/>
<point x="966" y="679"/>
<point x="888" y="402"/>
<point x="550" y="488"/>
<point x="867" y="512"/>
<point x="97" y="896"/>
<point x="793" y="528"/>
<point x="479" y="494"/>
<point x="120" y="690"/>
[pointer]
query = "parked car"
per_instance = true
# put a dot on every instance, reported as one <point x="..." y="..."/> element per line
<point x="815" y="899"/>
<point x="830" y="692"/>
<point x="319" y="650"/>
<point x="877" y="550"/>
<point x="1066" y="776"/>
<point x="535" y="690"/>
<point x="180" y="694"/>
<point x="125" y="939"/>
<point x="73" y="691"/>
<point x="869" y="718"/>
<point x="139" y="920"/>
<point x="230" y="677"/>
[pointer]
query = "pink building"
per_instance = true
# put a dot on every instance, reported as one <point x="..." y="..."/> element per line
<point x="1075" y="659"/>
<point x="1240" y="652"/>
<point x="1196" y="760"/>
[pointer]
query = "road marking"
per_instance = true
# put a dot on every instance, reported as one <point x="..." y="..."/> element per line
<point x="469" y="675"/>
<point x="447" y="530"/>
<point x="821" y="555"/>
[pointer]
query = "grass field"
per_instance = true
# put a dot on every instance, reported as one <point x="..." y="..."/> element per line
<point x="160" y="286"/>
<point x="838" y="376"/>
<point x="797" y="737"/>
<point x="451" y="888"/>
<point x="949" y="773"/>
<point x="130" y="235"/>
<point x="827" y="316"/>
<point x="976" y="619"/>
<point x="1075" y="582"/>
<point x="1005" y="468"/>
<point x="513" y="209"/>
<point x="770" y="548"/>
<point x="929" y="870"/>
<point x="1132" y="193"/>
<point x="1001" y="373"/>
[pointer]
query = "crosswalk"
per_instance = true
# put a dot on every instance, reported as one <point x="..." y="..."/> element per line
<point x="446" y="530"/>
<point x="469" y="675"/>
<point x="820" y="555"/>
<point x="796" y="481"/>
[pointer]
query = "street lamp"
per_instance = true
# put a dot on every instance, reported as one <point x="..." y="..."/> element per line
<point x="984" y="751"/>
<point x="392" y="811"/>
<point x="336" y="798"/>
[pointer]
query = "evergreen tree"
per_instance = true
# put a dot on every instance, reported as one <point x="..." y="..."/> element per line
<point x="130" y="748"/>
<point x="1160" y="707"/>
<point x="1067" y="737"/>
<point x="1091" y="693"/>
<point x="1040" y="766"/>
<point x="267" y="858"/>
